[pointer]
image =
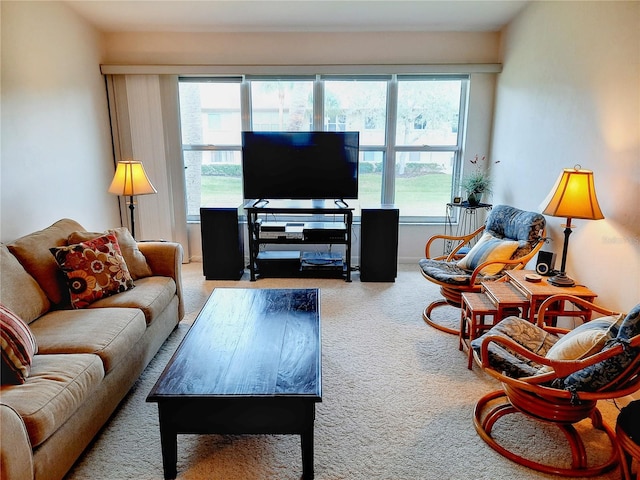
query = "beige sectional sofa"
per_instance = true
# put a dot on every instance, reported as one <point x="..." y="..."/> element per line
<point x="87" y="359"/>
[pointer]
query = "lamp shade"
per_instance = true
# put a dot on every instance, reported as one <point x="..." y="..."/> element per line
<point x="573" y="196"/>
<point x="130" y="179"/>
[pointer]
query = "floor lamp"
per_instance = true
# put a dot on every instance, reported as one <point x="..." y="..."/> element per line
<point x="130" y="180"/>
<point x="573" y="196"/>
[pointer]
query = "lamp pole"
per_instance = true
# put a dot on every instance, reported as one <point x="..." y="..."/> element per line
<point x="561" y="280"/>
<point x="133" y="225"/>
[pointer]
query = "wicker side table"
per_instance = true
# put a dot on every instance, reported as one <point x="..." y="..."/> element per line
<point x="507" y="299"/>
<point x="477" y="314"/>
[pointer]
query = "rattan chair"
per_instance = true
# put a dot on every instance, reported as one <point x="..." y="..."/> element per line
<point x="509" y="239"/>
<point x="541" y="383"/>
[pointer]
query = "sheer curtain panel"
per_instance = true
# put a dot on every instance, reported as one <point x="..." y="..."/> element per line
<point x="145" y="121"/>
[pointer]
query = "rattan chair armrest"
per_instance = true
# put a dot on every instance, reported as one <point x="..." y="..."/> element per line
<point x="462" y="239"/>
<point x="561" y="368"/>
<point x="544" y="306"/>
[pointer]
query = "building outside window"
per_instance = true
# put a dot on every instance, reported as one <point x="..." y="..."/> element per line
<point x="411" y="130"/>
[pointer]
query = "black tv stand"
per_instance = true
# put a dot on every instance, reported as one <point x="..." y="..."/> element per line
<point x="305" y="229"/>
<point x="262" y="202"/>
<point x="341" y="203"/>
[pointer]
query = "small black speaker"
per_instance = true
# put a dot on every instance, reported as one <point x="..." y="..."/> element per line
<point x="379" y="244"/>
<point x="546" y="262"/>
<point x="222" y="244"/>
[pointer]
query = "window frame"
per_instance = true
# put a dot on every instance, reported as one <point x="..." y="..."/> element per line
<point x="388" y="150"/>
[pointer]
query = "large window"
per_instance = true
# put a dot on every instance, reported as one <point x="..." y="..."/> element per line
<point x="411" y="129"/>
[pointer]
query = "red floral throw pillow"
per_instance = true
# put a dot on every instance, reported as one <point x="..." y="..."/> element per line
<point x="18" y="347"/>
<point x="94" y="269"/>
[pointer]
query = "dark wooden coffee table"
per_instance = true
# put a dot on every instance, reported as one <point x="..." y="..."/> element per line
<point x="250" y="364"/>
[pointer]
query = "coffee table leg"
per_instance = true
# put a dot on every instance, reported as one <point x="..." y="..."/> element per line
<point x="307" y="455"/>
<point x="306" y="441"/>
<point x="169" y="442"/>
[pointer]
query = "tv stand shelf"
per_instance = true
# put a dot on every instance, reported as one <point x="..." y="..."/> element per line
<point x="303" y="229"/>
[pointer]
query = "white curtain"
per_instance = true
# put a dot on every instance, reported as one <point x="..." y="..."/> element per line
<point x="146" y="127"/>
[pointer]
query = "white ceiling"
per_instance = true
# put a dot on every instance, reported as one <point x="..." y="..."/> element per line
<point x="297" y="15"/>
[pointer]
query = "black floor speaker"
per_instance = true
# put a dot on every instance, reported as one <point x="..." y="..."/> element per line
<point x="379" y="244"/>
<point x="222" y="244"/>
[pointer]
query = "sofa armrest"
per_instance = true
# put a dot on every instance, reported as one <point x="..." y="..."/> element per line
<point x="16" y="456"/>
<point x="165" y="259"/>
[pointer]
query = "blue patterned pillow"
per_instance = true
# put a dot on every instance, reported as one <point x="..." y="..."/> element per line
<point x="597" y="376"/>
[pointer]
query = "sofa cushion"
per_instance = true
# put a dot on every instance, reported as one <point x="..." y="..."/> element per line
<point x="107" y="332"/>
<point x="56" y="387"/>
<point x="151" y="295"/>
<point x="18" y="347"/>
<point x="33" y="253"/>
<point x="18" y="290"/>
<point x="94" y="269"/>
<point x="489" y="249"/>
<point x="136" y="261"/>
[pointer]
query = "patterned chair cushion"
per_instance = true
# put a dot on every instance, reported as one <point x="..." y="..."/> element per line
<point x="445" y="272"/>
<point x="451" y="273"/>
<point x="509" y="222"/>
<point x="530" y="336"/>
<point x="598" y="376"/>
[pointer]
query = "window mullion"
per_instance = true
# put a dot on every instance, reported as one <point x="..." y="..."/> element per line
<point x="245" y="105"/>
<point x="389" y="170"/>
<point x="318" y="104"/>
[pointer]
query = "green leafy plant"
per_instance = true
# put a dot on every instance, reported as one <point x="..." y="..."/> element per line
<point x="477" y="182"/>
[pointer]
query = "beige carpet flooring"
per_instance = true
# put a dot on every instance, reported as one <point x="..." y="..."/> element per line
<point x="397" y="401"/>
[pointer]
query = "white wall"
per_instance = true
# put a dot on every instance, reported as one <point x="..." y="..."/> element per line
<point x="569" y="94"/>
<point x="56" y="142"/>
<point x="294" y="48"/>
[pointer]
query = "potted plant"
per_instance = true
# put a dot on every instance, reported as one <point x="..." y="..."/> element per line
<point x="477" y="183"/>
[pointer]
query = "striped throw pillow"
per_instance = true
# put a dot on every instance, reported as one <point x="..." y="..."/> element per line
<point x="489" y="248"/>
<point x="18" y="347"/>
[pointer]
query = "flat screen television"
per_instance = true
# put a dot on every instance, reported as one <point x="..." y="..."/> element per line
<point x="300" y="165"/>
